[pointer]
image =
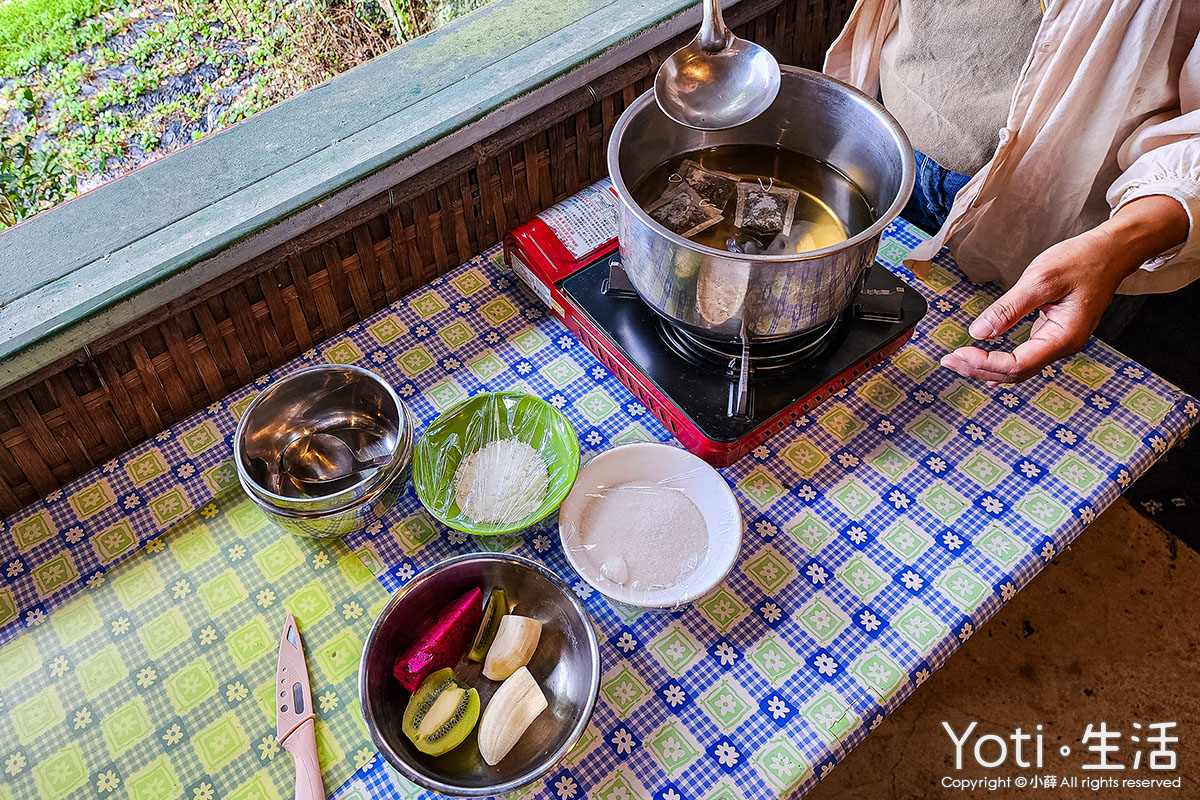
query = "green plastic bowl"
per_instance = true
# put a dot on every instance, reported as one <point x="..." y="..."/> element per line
<point x="476" y="421"/>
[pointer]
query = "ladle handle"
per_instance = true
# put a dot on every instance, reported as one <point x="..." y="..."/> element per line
<point x="713" y="34"/>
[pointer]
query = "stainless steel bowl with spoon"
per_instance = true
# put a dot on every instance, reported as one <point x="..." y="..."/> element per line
<point x="325" y="450"/>
<point x="566" y="666"/>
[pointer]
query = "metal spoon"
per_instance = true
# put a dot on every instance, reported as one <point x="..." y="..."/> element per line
<point x="316" y="458"/>
<point x="719" y="80"/>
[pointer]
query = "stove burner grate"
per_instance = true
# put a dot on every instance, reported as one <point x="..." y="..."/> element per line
<point x="767" y="358"/>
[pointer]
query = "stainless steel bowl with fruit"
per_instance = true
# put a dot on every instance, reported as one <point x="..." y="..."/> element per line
<point x="479" y="675"/>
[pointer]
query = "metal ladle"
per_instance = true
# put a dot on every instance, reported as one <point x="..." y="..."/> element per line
<point x="317" y="458"/>
<point x="718" y="80"/>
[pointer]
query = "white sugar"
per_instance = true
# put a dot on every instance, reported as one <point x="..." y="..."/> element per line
<point x="644" y="536"/>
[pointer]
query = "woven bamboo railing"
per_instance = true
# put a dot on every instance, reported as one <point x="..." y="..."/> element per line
<point x="97" y="403"/>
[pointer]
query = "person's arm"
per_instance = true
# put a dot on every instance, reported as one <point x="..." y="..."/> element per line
<point x="1071" y="284"/>
<point x="1155" y="226"/>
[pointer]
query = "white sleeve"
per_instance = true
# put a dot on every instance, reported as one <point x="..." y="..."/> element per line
<point x="1162" y="157"/>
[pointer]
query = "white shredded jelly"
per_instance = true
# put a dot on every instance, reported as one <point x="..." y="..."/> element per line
<point x="501" y="483"/>
<point x="646" y="536"/>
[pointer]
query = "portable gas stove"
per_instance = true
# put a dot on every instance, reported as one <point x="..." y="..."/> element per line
<point x="721" y="401"/>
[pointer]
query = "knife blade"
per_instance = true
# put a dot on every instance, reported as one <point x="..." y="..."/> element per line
<point x="295" y="719"/>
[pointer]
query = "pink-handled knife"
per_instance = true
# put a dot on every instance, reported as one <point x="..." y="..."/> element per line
<point x="295" y="721"/>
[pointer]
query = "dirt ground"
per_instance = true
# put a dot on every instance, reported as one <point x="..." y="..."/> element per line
<point x="1108" y="632"/>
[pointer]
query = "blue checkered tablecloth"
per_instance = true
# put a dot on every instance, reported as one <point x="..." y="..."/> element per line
<point x="881" y="530"/>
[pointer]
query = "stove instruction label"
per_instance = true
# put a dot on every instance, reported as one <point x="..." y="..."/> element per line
<point x="586" y="220"/>
<point x="522" y="271"/>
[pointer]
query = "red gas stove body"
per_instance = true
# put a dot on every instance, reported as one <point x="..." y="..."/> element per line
<point x="553" y="255"/>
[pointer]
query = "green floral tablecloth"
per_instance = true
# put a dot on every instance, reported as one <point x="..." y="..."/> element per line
<point x="156" y="679"/>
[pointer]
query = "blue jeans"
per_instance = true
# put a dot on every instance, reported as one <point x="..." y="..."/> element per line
<point x="929" y="205"/>
<point x="933" y="194"/>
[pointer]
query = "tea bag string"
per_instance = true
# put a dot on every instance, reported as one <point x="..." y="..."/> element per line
<point x="770" y="184"/>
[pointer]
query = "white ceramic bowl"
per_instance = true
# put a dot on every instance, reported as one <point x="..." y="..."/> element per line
<point x="654" y="463"/>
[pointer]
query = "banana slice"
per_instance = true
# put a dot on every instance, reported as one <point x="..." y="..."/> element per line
<point x="515" y="641"/>
<point x="513" y="708"/>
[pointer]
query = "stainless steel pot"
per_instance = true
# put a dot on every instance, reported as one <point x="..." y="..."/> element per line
<point x="761" y="297"/>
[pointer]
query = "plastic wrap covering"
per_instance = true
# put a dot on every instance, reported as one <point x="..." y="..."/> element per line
<point x="651" y="525"/>
<point x="496" y="463"/>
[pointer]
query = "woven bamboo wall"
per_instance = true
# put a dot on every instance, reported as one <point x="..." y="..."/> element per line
<point x="120" y="390"/>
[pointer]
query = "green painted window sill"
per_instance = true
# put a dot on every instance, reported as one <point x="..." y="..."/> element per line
<point x="84" y="269"/>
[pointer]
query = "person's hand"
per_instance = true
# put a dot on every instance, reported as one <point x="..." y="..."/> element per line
<point x="1070" y="285"/>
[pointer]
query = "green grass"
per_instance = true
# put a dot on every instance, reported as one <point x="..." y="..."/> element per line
<point x="35" y="31"/>
<point x="288" y="46"/>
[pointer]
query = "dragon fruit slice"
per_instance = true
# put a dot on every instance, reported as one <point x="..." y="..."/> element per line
<point x="442" y="643"/>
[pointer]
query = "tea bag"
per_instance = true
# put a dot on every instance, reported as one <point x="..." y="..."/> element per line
<point x="715" y="187"/>
<point x="681" y="210"/>
<point x="765" y="207"/>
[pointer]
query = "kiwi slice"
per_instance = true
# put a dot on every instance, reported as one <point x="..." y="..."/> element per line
<point x="495" y="608"/>
<point x="440" y="713"/>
